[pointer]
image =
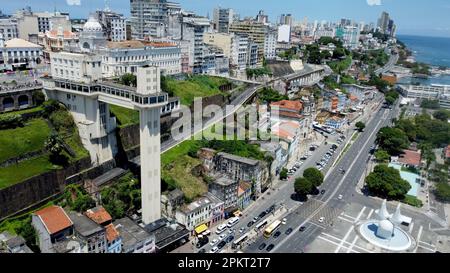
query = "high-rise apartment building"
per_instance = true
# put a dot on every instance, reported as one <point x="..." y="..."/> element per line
<point x="223" y="18"/>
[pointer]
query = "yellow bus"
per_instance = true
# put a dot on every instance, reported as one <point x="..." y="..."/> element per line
<point x="271" y="228"/>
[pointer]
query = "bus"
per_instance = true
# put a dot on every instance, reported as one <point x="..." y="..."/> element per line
<point x="261" y="225"/>
<point x="239" y="241"/>
<point x="271" y="228"/>
<point x="233" y="222"/>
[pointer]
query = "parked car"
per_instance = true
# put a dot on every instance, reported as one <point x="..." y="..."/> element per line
<point x="262" y="214"/>
<point x="340" y="197"/>
<point x="321" y="219"/>
<point x="221" y="244"/>
<point x="202" y="250"/>
<point x="277" y="234"/>
<point x="262" y="246"/>
<point x="241" y="230"/>
<point x="229" y="239"/>
<point x="322" y="192"/>
<point x="270" y="247"/>
<point x="249" y="224"/>
<point x="214" y="250"/>
<point x="284" y="221"/>
<point x="288" y="231"/>
<point x="214" y="242"/>
<point x="302" y="228"/>
<point x="221" y="237"/>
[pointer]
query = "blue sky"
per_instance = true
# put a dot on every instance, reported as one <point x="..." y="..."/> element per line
<point x="420" y="17"/>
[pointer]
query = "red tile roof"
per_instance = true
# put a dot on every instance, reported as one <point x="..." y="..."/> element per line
<point x="111" y="233"/>
<point x="289" y="114"/>
<point x="67" y="34"/>
<point x="288" y="104"/>
<point x="99" y="215"/>
<point x="411" y="158"/>
<point x="54" y="218"/>
<point x="447" y="152"/>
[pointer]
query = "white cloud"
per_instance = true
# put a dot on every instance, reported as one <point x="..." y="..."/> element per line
<point x="374" y="2"/>
<point x="73" y="2"/>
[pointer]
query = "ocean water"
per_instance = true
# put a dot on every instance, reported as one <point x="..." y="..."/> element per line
<point x="431" y="50"/>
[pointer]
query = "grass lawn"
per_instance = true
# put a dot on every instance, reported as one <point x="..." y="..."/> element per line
<point x="25" y="111"/>
<point x="178" y="174"/>
<point x="74" y="142"/>
<point x="25" y="169"/>
<point x="195" y="86"/>
<point x="124" y="116"/>
<point x="18" y="141"/>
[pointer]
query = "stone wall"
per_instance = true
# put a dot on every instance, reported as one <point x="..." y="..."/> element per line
<point x="30" y="192"/>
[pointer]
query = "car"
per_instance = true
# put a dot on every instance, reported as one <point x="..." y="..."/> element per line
<point x="214" y="242"/>
<point x="277" y="234"/>
<point x="229" y="239"/>
<point x="221" y="244"/>
<point x="221" y="237"/>
<point x="230" y="231"/>
<point x="340" y="197"/>
<point x="262" y="246"/>
<point x="320" y="168"/>
<point x="322" y="192"/>
<point x="249" y="224"/>
<point x="202" y="250"/>
<point x="284" y="221"/>
<point x="288" y="231"/>
<point x="302" y="228"/>
<point x="262" y="214"/>
<point x="321" y="219"/>
<point x="214" y="250"/>
<point x="270" y="247"/>
<point x="241" y="230"/>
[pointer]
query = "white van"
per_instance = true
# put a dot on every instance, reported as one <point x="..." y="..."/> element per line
<point x="233" y="222"/>
<point x="221" y="229"/>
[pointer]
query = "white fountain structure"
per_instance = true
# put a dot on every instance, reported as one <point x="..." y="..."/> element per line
<point x="385" y="231"/>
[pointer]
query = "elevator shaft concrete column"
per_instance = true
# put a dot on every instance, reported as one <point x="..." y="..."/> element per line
<point x="150" y="164"/>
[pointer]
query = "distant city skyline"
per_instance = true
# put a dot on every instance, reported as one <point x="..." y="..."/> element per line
<point x="413" y="17"/>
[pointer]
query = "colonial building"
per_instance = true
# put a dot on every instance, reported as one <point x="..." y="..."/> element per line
<point x="135" y="239"/>
<point x="123" y="57"/>
<point x="195" y="213"/>
<point x="53" y="225"/>
<point x="18" y="54"/>
<point x="225" y="189"/>
<point x="102" y="217"/>
<point x="57" y="40"/>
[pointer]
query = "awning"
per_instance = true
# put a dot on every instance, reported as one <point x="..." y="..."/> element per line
<point x="200" y="229"/>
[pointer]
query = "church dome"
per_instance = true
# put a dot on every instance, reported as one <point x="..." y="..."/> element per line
<point x="92" y="25"/>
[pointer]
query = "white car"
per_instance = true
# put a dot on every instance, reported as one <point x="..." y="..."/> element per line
<point x="214" y="242"/>
<point x="284" y="221"/>
<point x="221" y="237"/>
<point x="321" y="219"/>
<point x="340" y="197"/>
<point x="214" y="250"/>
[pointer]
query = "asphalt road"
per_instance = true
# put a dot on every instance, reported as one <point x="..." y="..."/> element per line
<point x="327" y="205"/>
<point x="391" y="63"/>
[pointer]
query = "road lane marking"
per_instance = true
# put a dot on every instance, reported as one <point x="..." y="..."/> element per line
<point x="334" y="243"/>
<point x="353" y="244"/>
<point x="370" y="214"/>
<point x="350" y="230"/>
<point x="418" y="238"/>
<point x="411" y="228"/>
<point x="338" y="186"/>
<point x="342" y="218"/>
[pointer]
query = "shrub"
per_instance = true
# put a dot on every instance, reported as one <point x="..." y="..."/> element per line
<point x="10" y="121"/>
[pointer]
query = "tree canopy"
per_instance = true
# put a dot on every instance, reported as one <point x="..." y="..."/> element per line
<point x="392" y="140"/>
<point x="385" y="182"/>
<point x="360" y="126"/>
<point x="303" y="186"/>
<point x="314" y="175"/>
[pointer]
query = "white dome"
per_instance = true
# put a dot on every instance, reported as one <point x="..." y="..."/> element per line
<point x="92" y="25"/>
<point x="386" y="225"/>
